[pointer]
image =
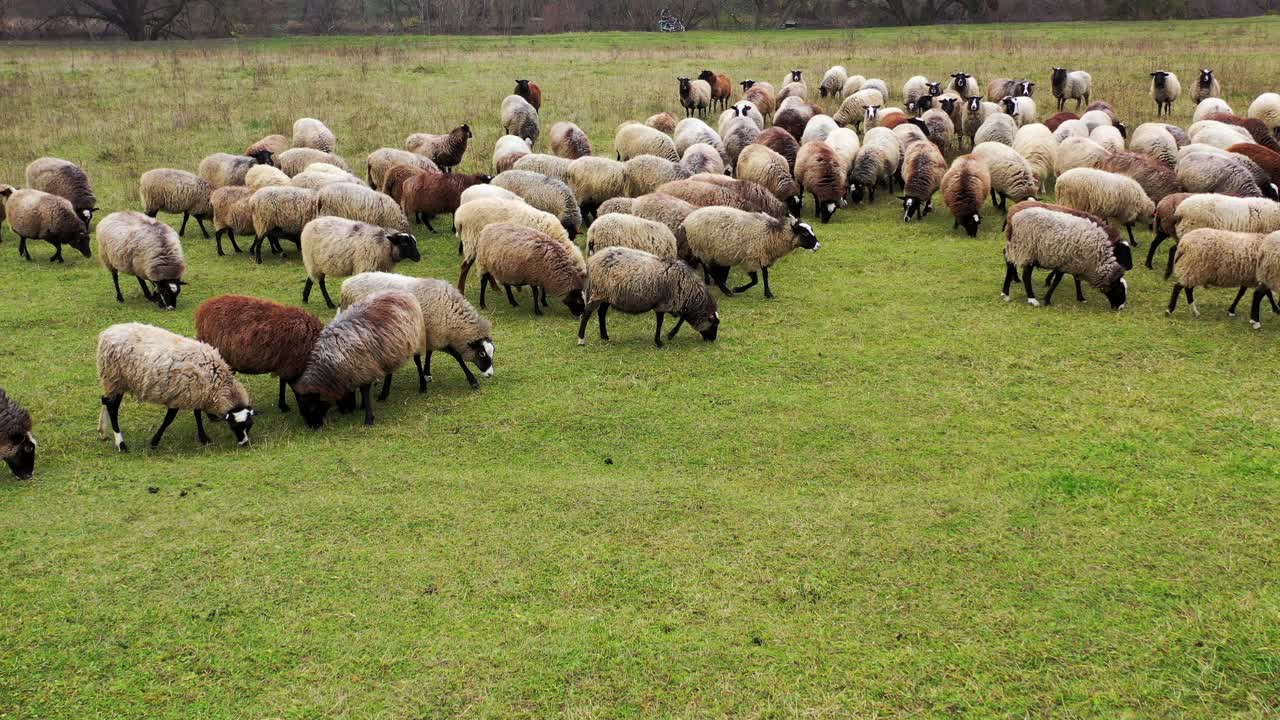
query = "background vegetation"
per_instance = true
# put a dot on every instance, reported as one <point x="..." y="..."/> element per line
<point x="884" y="493"/>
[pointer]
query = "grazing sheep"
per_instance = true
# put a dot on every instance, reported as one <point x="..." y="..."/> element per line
<point x="1202" y="172"/>
<point x="530" y="92"/>
<point x="295" y="161"/>
<point x="223" y="169"/>
<point x="1257" y="130"/>
<point x="998" y="128"/>
<point x="515" y="255"/>
<point x="382" y="160"/>
<point x="569" y="141"/>
<point x="1266" y="107"/>
<point x="37" y="215"/>
<point x="519" y="118"/>
<point x="762" y="95"/>
<point x="1153" y="140"/>
<point x="1268" y="278"/>
<point x="66" y="180"/>
<point x="1071" y="85"/>
<point x="1108" y="137"/>
<point x="1210" y="106"/>
<point x="362" y="204"/>
<point x="781" y="142"/>
<point x="1165" y="90"/>
<point x="721" y="87"/>
<point x="1218" y="134"/>
<point x="620" y="206"/>
<point x="703" y="158"/>
<point x="1011" y="174"/>
<point x="938" y="128"/>
<point x="876" y="162"/>
<point x="634" y="281"/>
<point x="633" y="139"/>
<point x="1217" y="258"/>
<point x="594" y="180"/>
<point x="846" y="144"/>
<point x="255" y="336"/>
<point x="4" y="193"/>
<point x="424" y="196"/>
<point x="1056" y="120"/>
<point x="918" y="86"/>
<point x="1001" y="88"/>
<point x="160" y="367"/>
<point x="481" y="192"/>
<point x="320" y="175"/>
<point x="1021" y="109"/>
<point x="794" y="119"/>
<point x="820" y="172"/>
<point x="852" y="85"/>
<point x="1179" y="135"/>
<point x="879" y="85"/>
<point x="549" y="165"/>
<point x="922" y="169"/>
<point x="662" y="208"/>
<point x="472" y="218"/>
<point x="266" y="149"/>
<point x="965" y="187"/>
<point x="833" y="81"/>
<point x="338" y="246"/>
<point x="17" y="444"/>
<point x="260" y="176"/>
<point x="280" y="213"/>
<point x="147" y="249"/>
<point x="1064" y="242"/>
<point x="1165" y="224"/>
<point x="1095" y="119"/>
<point x="369" y="340"/>
<point x="393" y="182"/>
<point x="1156" y="178"/>
<point x="853" y="110"/>
<point x="705" y="193"/>
<point x="1207" y="86"/>
<point x="1267" y="160"/>
<point x="452" y="324"/>
<point x="1108" y="195"/>
<point x="311" y="133"/>
<point x="176" y="191"/>
<point x="1035" y="143"/>
<point x="724" y="237"/>
<point x="548" y="195"/>
<point x="741" y="134"/>
<point x="445" y="151"/>
<point x="1226" y="212"/>
<point x="663" y="121"/>
<point x="232" y="214"/>
<point x="691" y="131"/>
<point x="637" y="233"/>
<point x="644" y="173"/>
<point x="695" y="96"/>
<point x="510" y="150"/>
<point x="1074" y="152"/>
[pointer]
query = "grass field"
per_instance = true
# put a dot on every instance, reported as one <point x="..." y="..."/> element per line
<point x="884" y="493"/>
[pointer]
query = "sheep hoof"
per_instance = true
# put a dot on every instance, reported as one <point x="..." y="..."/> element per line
<point x="1004" y="297"/>
<point x="123" y="447"/>
<point x="1195" y="311"/>
<point x="1255" y="325"/>
<point x="1230" y="314"/>
<point x="582" y="341"/>
<point x="1033" y="302"/>
<point x="426" y="378"/>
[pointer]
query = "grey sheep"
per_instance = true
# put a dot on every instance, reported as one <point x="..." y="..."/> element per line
<point x="1165" y="90"/>
<point x="38" y="215"/>
<point x="17" y="444"/>
<point x="295" y="161"/>
<point x="516" y="255"/>
<point x="66" y="180"/>
<point x="740" y="135"/>
<point x="281" y="213"/>
<point x="311" y="133"/>
<point x="223" y="169"/>
<point x="383" y="159"/>
<point x="644" y="173"/>
<point x="1064" y="242"/>
<point x="634" y="282"/>
<point x="549" y="165"/>
<point x="177" y="191"/>
<point x="338" y="246"/>
<point x="357" y="202"/>
<point x="147" y="249"/>
<point x="1155" y="140"/>
<point x="1071" y="85"/>
<point x="702" y="158"/>
<point x="569" y="141"/>
<point x="232" y="214"/>
<point x="546" y="194"/>
<point x="519" y="118"/>
<point x="634" y="139"/>
<point x="723" y="237"/>
<point x="876" y="162"/>
<point x="1201" y="172"/>
<point x="692" y="131"/>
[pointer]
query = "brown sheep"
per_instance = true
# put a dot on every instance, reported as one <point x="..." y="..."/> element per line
<point x="964" y="188"/>
<point x="781" y="142"/>
<point x="427" y="194"/>
<point x="821" y="174"/>
<point x="721" y="88"/>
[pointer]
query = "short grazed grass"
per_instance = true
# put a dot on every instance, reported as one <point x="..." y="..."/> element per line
<point x="884" y="493"/>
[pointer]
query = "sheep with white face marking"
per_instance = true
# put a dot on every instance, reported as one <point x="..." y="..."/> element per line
<point x="1266" y="107"/>
<point x="232" y="214"/>
<point x="1011" y="174"/>
<point x="876" y="162"/>
<point x="1225" y="212"/>
<point x="451" y="324"/>
<point x="66" y="180"/>
<point x="569" y="141"/>
<point x="446" y="150"/>
<point x="644" y="173"/>
<point x="630" y="231"/>
<point x="515" y="255"/>
<point x="922" y="169"/>
<point x="1217" y="258"/>
<point x="634" y="281"/>
<point x="721" y="238"/>
<point x="546" y="194"/>
<point x="280" y="213"/>
<point x="1071" y="85"/>
<point x="362" y="204"/>
<point x="295" y="161"/>
<point x="1116" y="197"/>
<point x="998" y="128"/>
<point x="965" y="187"/>
<point x="1203" y="172"/>
<point x="1075" y="152"/>
<point x="338" y="246"/>
<point x="594" y="180"/>
<point x="311" y="133"/>
<point x="1154" y="139"/>
<point x="974" y="114"/>
<point x="1210" y="106"/>
<point x="260" y="176"/>
<point x="37" y="215"/>
<point x="1035" y="142"/>
<point x="794" y="89"/>
<point x="634" y="139"/>
<point x="146" y="248"/>
<point x="1165" y="90"/>
<point x="1207" y="86"/>
<point x="1021" y="109"/>
<point x="695" y="96"/>
<point x="820" y="172"/>
<point x="178" y="373"/>
<point x="472" y="218"/>
<point x="510" y="150"/>
<point x="853" y="110"/>
<point x="176" y="191"/>
<point x="833" y="81"/>
<point x="368" y="341"/>
<point x="1064" y="243"/>
<point x="703" y="158"/>
<point x="1001" y="88"/>
<point x="17" y="444"/>
<point x="383" y="159"/>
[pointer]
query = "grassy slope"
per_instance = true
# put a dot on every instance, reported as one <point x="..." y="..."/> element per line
<point x="883" y="493"/>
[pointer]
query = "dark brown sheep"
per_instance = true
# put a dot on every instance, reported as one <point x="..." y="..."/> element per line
<point x="821" y="174"/>
<point x="1257" y="129"/>
<point x="530" y="92"/>
<point x="1055" y="120"/>
<point x="781" y="142"/>
<point x="1156" y="178"/>
<point x="393" y="181"/>
<point x="427" y="194"/>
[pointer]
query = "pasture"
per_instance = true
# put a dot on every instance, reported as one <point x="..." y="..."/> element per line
<point x="884" y="493"/>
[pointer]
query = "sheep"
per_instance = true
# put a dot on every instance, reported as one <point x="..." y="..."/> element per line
<point x="846" y="144"/>
<point x="644" y="173"/>
<point x="338" y="246"/>
<point x="662" y="208"/>
<point x="1257" y="130"/>
<point x="510" y="150"/>
<point x="629" y="230"/>
<point x="974" y="114"/>
<point x="394" y="181"/>
<point x="964" y="188"/>
<point x="1074" y="152"/>
<point x="1210" y="106"/>
<point x="965" y="85"/>
<point x="66" y="180"/>
<point x="1165" y="90"/>
<point x="445" y="151"/>
<point x="876" y="162"/>
<point x="1179" y="135"/>
<point x="691" y="131"/>
<point x="452" y="324"/>
<point x="1001" y="88"/>
<point x="176" y="191"/>
<point x="1118" y="198"/>
<point x="548" y="195"/>
<point x="382" y="160"/>
<point x="1156" y="178"/>
<point x="481" y="192"/>
<point x="1268" y="277"/>
<point x="833" y="81"/>
<point x="163" y="368"/>
<point x="569" y="141"/>
<point x="1108" y="137"/>
<point x="702" y="158"/>
<point x="1267" y="160"/>
<point x="232" y="214"/>
<point x="1057" y="119"/>
<point x="781" y="142"/>
<point x="706" y="193"/>
<point x="311" y="133"/>
<point x="853" y="110"/>
<point x="939" y="128"/>
<point x="796" y="88"/>
<point x="549" y="165"/>
<point x="742" y="109"/>
<point x="1011" y="174"/>
<point x="1210" y="257"/>
<point x="223" y="169"/>
<point x="266" y="149"/>
<point x="635" y="281"/>
<point x="515" y="255"/>
<point x="1218" y="134"/>
<point x="1071" y="85"/>
<point x="1064" y="242"/>
<point x="369" y="340"/>
<point x="916" y="108"/>
<point x="695" y="96"/>
<point x="723" y="237"/>
<point x="741" y="134"/>
<point x="633" y="139"/>
<point x="1021" y="109"/>
<point x="1164" y="224"/>
<point x="1035" y="143"/>
<point x="1207" y="86"/>
<point x="918" y="86"/>
<point x="295" y="161"/>
<point x="357" y="202"/>
<point x="530" y="92"/>
<point x="1069" y="129"/>
<point x="1095" y="119"/>
<point x="147" y="249"/>
<point x="594" y="180"/>
<point x="256" y="336"/>
<point x="471" y="219"/>
<point x="794" y="119"/>
<point x="762" y="95"/>
<point x="877" y="84"/>
<point x="281" y="213"/>
<point x="922" y="169"/>
<point x="37" y="215"/>
<point x="663" y="122"/>
<point x="621" y="206"/>
<point x="519" y="118"/>
<point x="260" y="176"/>
<point x="423" y="196"/>
<point x="1225" y="212"/>
<point x="908" y="134"/>
<point x="321" y="175"/>
<point x="852" y="85"/>
<point x="721" y="87"/>
<point x="1202" y="172"/>
<point x="4" y="193"/>
<point x="17" y="444"/>
<point x="997" y="127"/>
<point x="1153" y="140"/>
<point x="820" y="172"/>
<point x="1266" y="107"/>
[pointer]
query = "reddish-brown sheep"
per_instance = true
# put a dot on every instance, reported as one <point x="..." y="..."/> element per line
<point x="721" y="88"/>
<point x="530" y="92"/>
<point x="781" y="142"/>
<point x="427" y="194"/>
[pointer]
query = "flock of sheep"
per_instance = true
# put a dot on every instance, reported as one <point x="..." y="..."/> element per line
<point x="679" y="205"/>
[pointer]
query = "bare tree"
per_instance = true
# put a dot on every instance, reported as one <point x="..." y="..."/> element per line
<point x="137" y="19"/>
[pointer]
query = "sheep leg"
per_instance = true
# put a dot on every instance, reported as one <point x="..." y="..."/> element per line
<point x="582" y="323"/>
<point x="57" y="254"/>
<point x="1254" y="320"/>
<point x="544" y="298"/>
<point x="537" y="305"/>
<point x="200" y="224"/>
<point x="755" y="279"/>
<point x="146" y="291"/>
<point x="1010" y="276"/>
<point x="604" y="331"/>
<point x="325" y="291"/>
<point x="720" y="274"/>
<point x="1079" y="288"/>
<point x="994" y="203"/>
<point x="1231" y="311"/>
<point x="679" y="322"/>
<point x="256" y="249"/>
<point x="386" y="388"/>
<point x="306" y="291"/>
<point x="422" y="381"/>
<point x="1168" y="269"/>
<point x="484" y="285"/>
<point x="22" y="248"/>
<point x="657" y="332"/>
<point x="1056" y="277"/>
<point x="367" y="402"/>
<point x="466" y="268"/>
<point x="1191" y="300"/>
<point x="471" y="377"/>
<point x="426" y="220"/>
<point x="183" y="230"/>
<point x="169" y="415"/>
<point x="217" y="238"/>
<point x="1129" y="228"/>
<point x="115" y="278"/>
<point x="510" y="297"/>
<point x="112" y="404"/>
<point x="1155" y="243"/>
<point x="231" y="235"/>
<point x="1173" y="299"/>
<point x="1029" y="286"/>
<point x="426" y="367"/>
<point x="201" y="436"/>
<point x="1275" y="308"/>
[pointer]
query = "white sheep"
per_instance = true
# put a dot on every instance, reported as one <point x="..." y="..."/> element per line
<point x="146" y="248"/>
<point x="338" y="246"/>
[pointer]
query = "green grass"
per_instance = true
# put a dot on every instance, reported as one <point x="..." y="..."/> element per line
<point x="884" y="493"/>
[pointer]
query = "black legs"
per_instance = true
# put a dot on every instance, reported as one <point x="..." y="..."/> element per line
<point x="471" y="378"/>
<point x="386" y="389"/>
<point x="112" y="404"/>
<point x="146" y="291"/>
<point x="201" y="436"/>
<point x="657" y="331"/>
<point x="284" y="406"/>
<point x="1232" y="310"/>
<point x="115" y="278"/>
<point x="325" y="291"/>
<point x="169" y="415"/>
<point x="367" y="403"/>
<point x="1027" y="285"/>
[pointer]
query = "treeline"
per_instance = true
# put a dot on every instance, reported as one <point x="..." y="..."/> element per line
<point x="156" y="19"/>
